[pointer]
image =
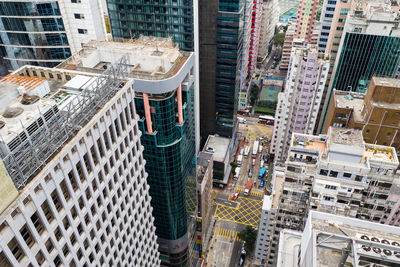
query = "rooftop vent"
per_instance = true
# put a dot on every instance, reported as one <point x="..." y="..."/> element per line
<point x="29" y="100"/>
<point x="12" y="112"/>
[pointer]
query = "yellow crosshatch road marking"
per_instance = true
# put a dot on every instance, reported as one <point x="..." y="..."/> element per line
<point x="228" y="234"/>
<point x="257" y="131"/>
<point x="248" y="212"/>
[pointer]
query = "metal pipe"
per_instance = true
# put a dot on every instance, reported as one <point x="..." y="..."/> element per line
<point x="147" y="112"/>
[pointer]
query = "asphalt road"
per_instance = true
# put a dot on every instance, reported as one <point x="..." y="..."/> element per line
<point x="237" y="247"/>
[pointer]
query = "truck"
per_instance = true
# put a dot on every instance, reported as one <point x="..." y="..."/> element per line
<point x="237" y="172"/>
<point x="239" y="160"/>
<point x="255" y="149"/>
<point x="262" y="173"/>
<point x="246" y="151"/>
<point x="248" y="188"/>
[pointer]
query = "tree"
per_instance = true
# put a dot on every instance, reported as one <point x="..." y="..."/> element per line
<point x="253" y="94"/>
<point x="249" y="236"/>
<point x="234" y="165"/>
<point x="279" y="38"/>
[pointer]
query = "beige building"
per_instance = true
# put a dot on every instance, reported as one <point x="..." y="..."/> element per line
<point x="376" y="114"/>
<point x="204" y="192"/>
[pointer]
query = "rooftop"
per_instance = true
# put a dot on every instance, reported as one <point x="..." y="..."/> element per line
<point x="289" y="246"/>
<point x="389" y="82"/>
<point x="343" y="144"/>
<point x="267" y="202"/>
<point x="332" y="234"/>
<point x="348" y="137"/>
<point x="203" y="162"/>
<point x="350" y="100"/>
<point x="63" y="101"/>
<point x="150" y="58"/>
<point x="218" y="146"/>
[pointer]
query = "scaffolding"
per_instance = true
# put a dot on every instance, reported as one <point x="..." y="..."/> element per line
<point x="57" y="127"/>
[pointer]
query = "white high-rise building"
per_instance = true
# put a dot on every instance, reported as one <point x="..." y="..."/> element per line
<point x="45" y="33"/>
<point x="72" y="179"/>
<point x="298" y="106"/>
<point x="264" y="230"/>
<point x="269" y="19"/>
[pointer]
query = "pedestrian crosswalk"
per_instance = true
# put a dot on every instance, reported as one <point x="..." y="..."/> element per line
<point x="253" y="192"/>
<point x="228" y="234"/>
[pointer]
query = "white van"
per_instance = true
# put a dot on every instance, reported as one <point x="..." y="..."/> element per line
<point x="241" y="120"/>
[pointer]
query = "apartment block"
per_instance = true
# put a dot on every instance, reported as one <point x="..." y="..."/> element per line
<point x="269" y="19"/>
<point x="376" y="113"/>
<point x="264" y="230"/>
<point x="45" y="33"/>
<point x="306" y="15"/>
<point x="297" y="107"/>
<point x="287" y="48"/>
<point x="73" y="183"/>
<point x="164" y="100"/>
<point x="333" y="240"/>
<point x="372" y="30"/>
<point x="256" y="18"/>
<point x="339" y="174"/>
<point x="327" y="14"/>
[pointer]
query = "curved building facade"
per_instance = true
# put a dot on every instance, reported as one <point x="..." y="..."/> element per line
<point x="164" y="84"/>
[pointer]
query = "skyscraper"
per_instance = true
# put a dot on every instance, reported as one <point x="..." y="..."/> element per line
<point x="298" y="105"/>
<point x="370" y="45"/>
<point x="73" y="182"/>
<point x="162" y="18"/>
<point x="164" y="99"/>
<point x="45" y="33"/>
<point x="328" y="10"/>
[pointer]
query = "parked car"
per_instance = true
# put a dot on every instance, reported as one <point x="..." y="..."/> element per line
<point x="250" y="173"/>
<point x="235" y="196"/>
<point x="262" y="183"/>
<point x="253" y="162"/>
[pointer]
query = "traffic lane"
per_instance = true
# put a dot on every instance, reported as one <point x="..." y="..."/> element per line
<point x="237" y="248"/>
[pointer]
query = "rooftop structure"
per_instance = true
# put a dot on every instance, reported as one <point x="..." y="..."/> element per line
<point x="330" y="240"/>
<point x="220" y="148"/>
<point x="149" y="58"/>
<point x="25" y="145"/>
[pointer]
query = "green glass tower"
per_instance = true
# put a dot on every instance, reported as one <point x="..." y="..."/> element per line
<point x="161" y="18"/>
<point x="229" y="63"/>
<point x="365" y="55"/>
<point x="167" y="121"/>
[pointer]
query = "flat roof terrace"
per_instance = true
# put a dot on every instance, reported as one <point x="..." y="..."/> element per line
<point x="150" y="58"/>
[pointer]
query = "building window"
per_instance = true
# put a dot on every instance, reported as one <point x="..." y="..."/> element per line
<point x="82" y="31"/>
<point x="16" y="249"/>
<point x="347" y="175"/>
<point x="323" y="172"/>
<point x="332" y="187"/>
<point x="79" y="16"/>
<point x="333" y="174"/>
